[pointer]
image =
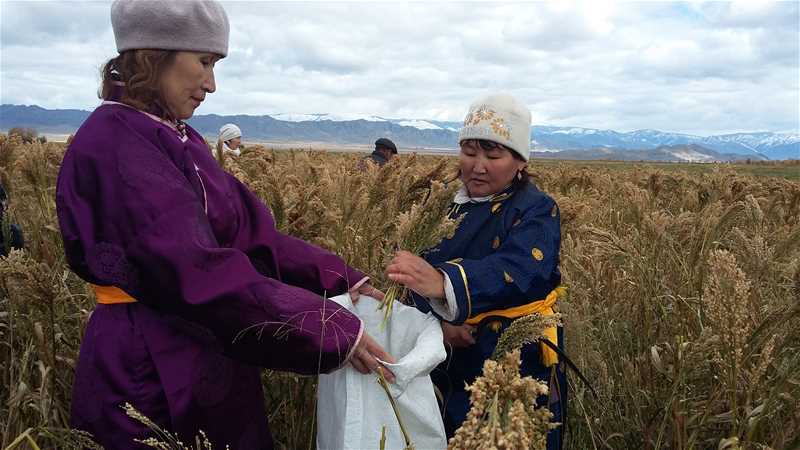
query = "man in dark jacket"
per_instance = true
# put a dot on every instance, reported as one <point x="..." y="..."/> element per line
<point x="383" y="153"/>
<point x="15" y="239"/>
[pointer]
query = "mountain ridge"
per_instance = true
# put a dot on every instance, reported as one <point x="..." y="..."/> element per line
<point x="425" y="133"/>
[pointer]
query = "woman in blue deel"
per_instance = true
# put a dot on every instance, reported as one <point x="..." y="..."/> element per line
<point x="501" y="264"/>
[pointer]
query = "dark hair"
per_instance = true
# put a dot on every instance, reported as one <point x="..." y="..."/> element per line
<point x="524" y="178"/>
<point x="141" y="72"/>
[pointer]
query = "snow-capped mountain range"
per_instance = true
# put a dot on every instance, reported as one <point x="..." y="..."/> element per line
<point x="554" y="139"/>
<point x="771" y="145"/>
<point x="410" y="133"/>
<point x="295" y="117"/>
<point x="415" y="123"/>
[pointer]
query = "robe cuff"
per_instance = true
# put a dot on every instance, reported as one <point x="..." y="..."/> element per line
<point x="422" y="303"/>
<point x="355" y="345"/>
<point x="353" y="274"/>
<point x="446" y="308"/>
<point x="357" y="286"/>
<point x="457" y="276"/>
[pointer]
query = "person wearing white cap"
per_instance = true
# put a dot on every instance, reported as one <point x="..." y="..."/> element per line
<point x="196" y="290"/>
<point x="501" y="264"/>
<point x="230" y="138"/>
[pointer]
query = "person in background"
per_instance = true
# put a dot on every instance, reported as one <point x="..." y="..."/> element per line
<point x="10" y="235"/>
<point x="501" y="264"/>
<point x="230" y="139"/>
<point x="383" y="153"/>
<point x="196" y="289"/>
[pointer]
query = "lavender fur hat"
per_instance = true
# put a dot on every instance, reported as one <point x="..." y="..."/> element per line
<point x="189" y="25"/>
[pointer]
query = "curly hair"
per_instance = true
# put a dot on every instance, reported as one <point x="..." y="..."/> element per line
<point x="141" y="71"/>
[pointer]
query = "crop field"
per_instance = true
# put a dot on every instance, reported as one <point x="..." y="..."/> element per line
<point x="683" y="306"/>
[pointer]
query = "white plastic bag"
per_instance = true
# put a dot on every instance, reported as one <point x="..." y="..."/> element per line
<point x="352" y="408"/>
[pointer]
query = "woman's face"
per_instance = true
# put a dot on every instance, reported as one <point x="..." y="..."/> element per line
<point x="234" y="143"/>
<point x="487" y="169"/>
<point x="186" y="82"/>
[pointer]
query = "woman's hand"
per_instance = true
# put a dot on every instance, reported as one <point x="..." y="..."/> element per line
<point x="366" y="355"/>
<point x="365" y="289"/>
<point x="416" y="274"/>
<point x="458" y="336"/>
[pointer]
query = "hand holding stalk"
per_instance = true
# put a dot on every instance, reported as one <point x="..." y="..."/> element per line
<point x="421" y="228"/>
<point x="416" y="274"/>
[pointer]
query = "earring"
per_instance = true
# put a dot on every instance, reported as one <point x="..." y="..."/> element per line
<point x="519" y="175"/>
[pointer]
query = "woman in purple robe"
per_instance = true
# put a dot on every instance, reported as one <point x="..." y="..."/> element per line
<point x="196" y="288"/>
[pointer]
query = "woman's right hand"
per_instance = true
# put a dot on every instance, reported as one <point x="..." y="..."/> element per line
<point x="366" y="355"/>
<point x="458" y="336"/>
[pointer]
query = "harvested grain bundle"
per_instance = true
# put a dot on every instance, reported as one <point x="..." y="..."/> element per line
<point x="422" y="227"/>
<point x="504" y="413"/>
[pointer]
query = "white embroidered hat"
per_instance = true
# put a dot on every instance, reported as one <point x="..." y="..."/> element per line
<point x="499" y="118"/>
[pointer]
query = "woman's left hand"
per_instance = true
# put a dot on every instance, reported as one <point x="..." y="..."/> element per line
<point x="365" y="289"/>
<point x="415" y="273"/>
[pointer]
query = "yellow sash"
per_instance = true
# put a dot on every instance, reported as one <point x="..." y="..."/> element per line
<point x="110" y="295"/>
<point x="543" y="307"/>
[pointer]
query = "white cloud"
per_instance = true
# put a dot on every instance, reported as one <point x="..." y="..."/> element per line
<point x="690" y="67"/>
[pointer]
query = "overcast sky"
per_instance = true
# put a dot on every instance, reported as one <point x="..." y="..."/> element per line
<point x="700" y="68"/>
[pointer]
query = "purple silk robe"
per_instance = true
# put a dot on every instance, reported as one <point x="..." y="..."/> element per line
<point x="220" y="292"/>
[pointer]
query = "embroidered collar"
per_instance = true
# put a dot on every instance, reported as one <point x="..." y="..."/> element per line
<point x="462" y="196"/>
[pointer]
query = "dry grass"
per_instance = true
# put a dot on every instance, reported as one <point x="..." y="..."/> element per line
<point x="684" y="306"/>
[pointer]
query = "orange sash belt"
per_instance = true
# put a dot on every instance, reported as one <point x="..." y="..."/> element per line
<point x="110" y="295"/>
<point x="543" y="307"/>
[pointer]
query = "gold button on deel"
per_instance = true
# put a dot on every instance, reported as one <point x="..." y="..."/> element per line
<point x="537" y="254"/>
<point x="496" y="326"/>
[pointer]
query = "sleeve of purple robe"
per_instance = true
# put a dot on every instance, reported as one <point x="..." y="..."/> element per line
<point x="301" y="264"/>
<point x="130" y="218"/>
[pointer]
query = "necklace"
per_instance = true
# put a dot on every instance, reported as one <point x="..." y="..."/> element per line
<point x="180" y="126"/>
